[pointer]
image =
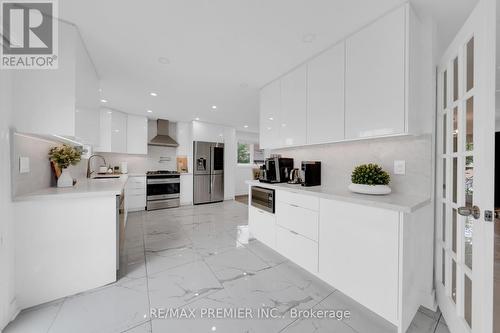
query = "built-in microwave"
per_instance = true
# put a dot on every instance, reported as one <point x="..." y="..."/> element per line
<point x="263" y="198"/>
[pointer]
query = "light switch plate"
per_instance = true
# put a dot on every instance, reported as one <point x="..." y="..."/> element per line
<point x="24" y="164"/>
<point x="399" y="167"/>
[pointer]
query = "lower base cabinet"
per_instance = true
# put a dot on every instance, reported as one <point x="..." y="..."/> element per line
<point x="359" y="254"/>
<point x="297" y="248"/>
<point x="262" y="226"/>
<point x="135" y="193"/>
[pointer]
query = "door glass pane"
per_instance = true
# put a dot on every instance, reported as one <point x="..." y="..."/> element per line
<point x="469" y="125"/>
<point x="455" y="177"/>
<point x="455" y="129"/>
<point x="444" y="177"/>
<point x="468" y="230"/>
<point x="443" y="267"/>
<point x="455" y="79"/>
<point x="469" y="180"/>
<point x="445" y="131"/>
<point x="468" y="300"/>
<point x="444" y="223"/>
<point x="470" y="64"/>
<point x="453" y="280"/>
<point x="454" y="230"/>
<point x="445" y="90"/>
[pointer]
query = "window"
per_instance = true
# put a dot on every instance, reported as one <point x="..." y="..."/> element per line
<point x="249" y="153"/>
<point x="244" y="150"/>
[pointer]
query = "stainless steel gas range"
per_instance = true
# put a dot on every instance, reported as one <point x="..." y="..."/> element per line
<point x="162" y="189"/>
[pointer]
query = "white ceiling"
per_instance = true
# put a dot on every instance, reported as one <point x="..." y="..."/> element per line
<point x="219" y="52"/>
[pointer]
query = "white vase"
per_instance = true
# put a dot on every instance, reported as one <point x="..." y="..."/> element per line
<point x="370" y="189"/>
<point x="65" y="179"/>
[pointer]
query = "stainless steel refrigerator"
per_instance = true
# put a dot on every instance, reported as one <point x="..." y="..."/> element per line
<point x="208" y="170"/>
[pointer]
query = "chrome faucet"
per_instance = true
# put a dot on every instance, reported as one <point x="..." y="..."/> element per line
<point x="89" y="173"/>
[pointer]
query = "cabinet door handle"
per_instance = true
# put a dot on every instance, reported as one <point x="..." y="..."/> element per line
<point x="293" y="232"/>
<point x="293" y="205"/>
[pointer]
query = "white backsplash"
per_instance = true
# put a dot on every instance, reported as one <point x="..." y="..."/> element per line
<point x="339" y="159"/>
<point x="158" y="158"/>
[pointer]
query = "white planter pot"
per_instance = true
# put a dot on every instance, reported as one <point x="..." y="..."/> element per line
<point x="370" y="189"/>
<point x="65" y="180"/>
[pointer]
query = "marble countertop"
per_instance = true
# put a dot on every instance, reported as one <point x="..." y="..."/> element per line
<point x="84" y="188"/>
<point x="394" y="201"/>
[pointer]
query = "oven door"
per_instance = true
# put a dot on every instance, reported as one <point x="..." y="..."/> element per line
<point x="163" y="188"/>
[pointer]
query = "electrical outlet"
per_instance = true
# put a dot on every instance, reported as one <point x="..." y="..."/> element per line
<point x="24" y="164"/>
<point x="399" y="167"/>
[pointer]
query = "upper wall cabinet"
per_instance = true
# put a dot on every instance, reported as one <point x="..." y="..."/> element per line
<point x="375" y="78"/>
<point x="325" y="96"/>
<point x="137" y="135"/>
<point x="62" y="101"/>
<point x="113" y="132"/>
<point x="292" y="120"/>
<point x="270" y="112"/>
<point x="375" y="83"/>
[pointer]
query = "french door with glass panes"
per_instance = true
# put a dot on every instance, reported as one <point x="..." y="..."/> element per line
<point x="464" y="196"/>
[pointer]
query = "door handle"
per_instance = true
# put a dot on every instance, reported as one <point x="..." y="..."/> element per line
<point x="473" y="211"/>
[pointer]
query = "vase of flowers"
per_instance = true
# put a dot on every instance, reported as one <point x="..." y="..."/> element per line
<point x="62" y="157"/>
<point x="370" y="179"/>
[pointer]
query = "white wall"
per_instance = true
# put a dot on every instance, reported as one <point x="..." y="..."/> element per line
<point x="7" y="287"/>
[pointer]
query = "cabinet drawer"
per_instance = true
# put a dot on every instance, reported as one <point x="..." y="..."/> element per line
<point x="262" y="226"/>
<point x="300" y="250"/>
<point x="136" y="202"/>
<point x="301" y="220"/>
<point x="136" y="191"/>
<point x="137" y="180"/>
<point x="296" y="199"/>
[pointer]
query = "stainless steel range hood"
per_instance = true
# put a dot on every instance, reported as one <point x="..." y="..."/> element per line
<point x="163" y="138"/>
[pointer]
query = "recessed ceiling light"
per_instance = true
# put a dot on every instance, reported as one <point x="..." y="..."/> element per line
<point x="197" y="118"/>
<point x="110" y="112"/>
<point x="308" y="38"/>
<point x="153" y="94"/>
<point x="104" y="100"/>
<point x="150" y="111"/>
<point x="271" y="118"/>
<point x="245" y="126"/>
<point x="163" y="61"/>
<point x="214" y="107"/>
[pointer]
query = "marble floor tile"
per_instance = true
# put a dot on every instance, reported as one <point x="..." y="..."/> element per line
<point x="422" y="323"/>
<point x="114" y="308"/>
<point x="271" y="257"/>
<point x="235" y="264"/>
<point x="181" y="285"/>
<point x="142" y="328"/>
<point x="36" y="319"/>
<point x="161" y="261"/>
<point x="318" y="326"/>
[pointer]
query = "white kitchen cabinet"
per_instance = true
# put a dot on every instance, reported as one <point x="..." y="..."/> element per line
<point x="113" y="131"/>
<point x="270" y="115"/>
<point x="292" y="121"/>
<point x="63" y="101"/>
<point x="262" y="226"/>
<point x="137" y="135"/>
<point x="325" y="96"/>
<point x="135" y="193"/>
<point x="298" y="219"/>
<point x="297" y="248"/>
<point x="365" y="244"/>
<point x="375" y="78"/>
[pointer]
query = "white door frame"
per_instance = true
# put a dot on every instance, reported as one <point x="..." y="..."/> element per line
<point x="482" y="25"/>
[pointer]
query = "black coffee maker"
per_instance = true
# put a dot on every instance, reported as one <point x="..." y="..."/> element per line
<point x="276" y="170"/>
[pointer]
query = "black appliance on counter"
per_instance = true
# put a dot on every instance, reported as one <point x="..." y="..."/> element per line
<point x="311" y="173"/>
<point x="276" y="170"/>
<point x="162" y="189"/>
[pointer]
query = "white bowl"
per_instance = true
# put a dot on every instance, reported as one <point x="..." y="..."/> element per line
<point x="370" y="189"/>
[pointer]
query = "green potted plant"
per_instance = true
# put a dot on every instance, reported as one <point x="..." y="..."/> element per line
<point x="370" y="179"/>
<point x="62" y="157"/>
